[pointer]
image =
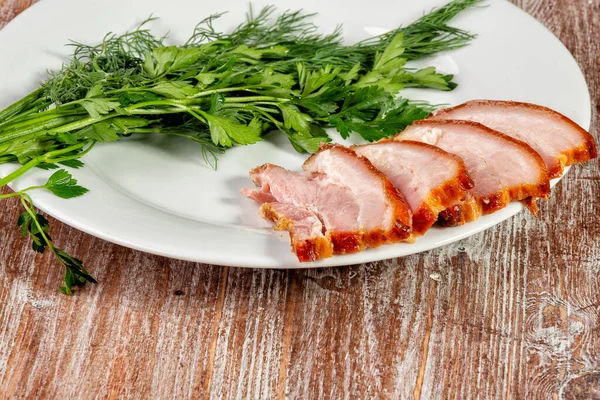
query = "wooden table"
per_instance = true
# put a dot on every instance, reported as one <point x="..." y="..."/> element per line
<point x="513" y="312"/>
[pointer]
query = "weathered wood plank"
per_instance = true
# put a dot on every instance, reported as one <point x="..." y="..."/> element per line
<point x="513" y="312"/>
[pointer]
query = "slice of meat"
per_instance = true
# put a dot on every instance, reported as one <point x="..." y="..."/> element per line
<point x="502" y="168"/>
<point x="556" y="138"/>
<point x="335" y="205"/>
<point x="384" y="216"/>
<point x="430" y="178"/>
<point x="306" y="230"/>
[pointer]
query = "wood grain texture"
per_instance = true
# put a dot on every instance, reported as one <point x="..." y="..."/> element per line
<point x="513" y="312"/>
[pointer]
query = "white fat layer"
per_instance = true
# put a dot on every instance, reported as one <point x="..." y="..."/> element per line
<point x="432" y="136"/>
<point x="317" y="228"/>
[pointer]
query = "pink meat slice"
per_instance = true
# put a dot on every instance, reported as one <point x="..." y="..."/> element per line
<point x="305" y="229"/>
<point x="559" y="140"/>
<point x="335" y="205"/>
<point x="384" y="216"/>
<point x="502" y="168"/>
<point x="430" y="178"/>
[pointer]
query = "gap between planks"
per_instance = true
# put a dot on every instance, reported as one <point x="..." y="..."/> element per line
<point x="425" y="345"/>
<point x="215" y="330"/>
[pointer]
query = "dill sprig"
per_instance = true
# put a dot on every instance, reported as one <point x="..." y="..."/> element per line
<point x="272" y="72"/>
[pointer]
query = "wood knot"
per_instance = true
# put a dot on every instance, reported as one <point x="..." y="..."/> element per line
<point x="179" y="292"/>
<point x="584" y="387"/>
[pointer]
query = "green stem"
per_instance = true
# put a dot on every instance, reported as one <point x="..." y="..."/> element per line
<point x="80" y="124"/>
<point x="144" y="130"/>
<point x="198" y="114"/>
<point x="249" y="99"/>
<point x="20" y="192"/>
<point x="155" y="111"/>
<point x="233" y="89"/>
<point x="7" y="196"/>
<point x="19" y="171"/>
<point x="48" y="157"/>
<point x="57" y="122"/>
<point x="36" y="108"/>
<point x="259" y="110"/>
<point x="63" y="124"/>
<point x="27" y="119"/>
<point x="6" y="159"/>
<point x="195" y="139"/>
<point x="24" y="199"/>
<point x="174" y="103"/>
<point x="68" y="150"/>
<point x="71" y="123"/>
<point x="32" y="188"/>
<point x="20" y="105"/>
<point x="127" y="90"/>
<point x="254" y="107"/>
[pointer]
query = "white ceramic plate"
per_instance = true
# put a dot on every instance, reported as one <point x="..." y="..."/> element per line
<point x="156" y="195"/>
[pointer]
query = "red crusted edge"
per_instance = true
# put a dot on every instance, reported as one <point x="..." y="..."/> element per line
<point x="466" y="210"/>
<point x="585" y="152"/>
<point x="346" y="242"/>
<point x="402" y="228"/>
<point x="306" y="250"/>
<point x="446" y="194"/>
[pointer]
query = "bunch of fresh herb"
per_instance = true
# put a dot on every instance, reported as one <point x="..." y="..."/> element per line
<point x="219" y="90"/>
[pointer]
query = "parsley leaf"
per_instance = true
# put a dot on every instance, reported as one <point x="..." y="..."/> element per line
<point x="429" y="78"/>
<point x="393" y="115"/>
<point x="307" y="143"/>
<point x="255" y="53"/>
<point x="103" y="131"/>
<point x="175" y="89"/>
<point x="72" y="163"/>
<point x="168" y="59"/>
<point x="128" y="98"/>
<point x="225" y="132"/>
<point x="62" y="184"/>
<point x="270" y="77"/>
<point x="75" y="274"/>
<point x="311" y="82"/>
<point x="98" y="106"/>
<point x="47" y="166"/>
<point x="67" y="138"/>
<point x="294" y="119"/>
<point x="27" y="226"/>
<point x="359" y="107"/>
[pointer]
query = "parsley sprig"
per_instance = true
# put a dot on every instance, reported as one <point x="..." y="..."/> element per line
<point x="219" y="90"/>
<point x="36" y="226"/>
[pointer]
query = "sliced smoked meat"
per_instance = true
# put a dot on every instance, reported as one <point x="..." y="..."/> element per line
<point x="430" y="178"/>
<point x="384" y="216"/>
<point x="335" y="205"/>
<point x="556" y="138"/>
<point x="502" y="168"/>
